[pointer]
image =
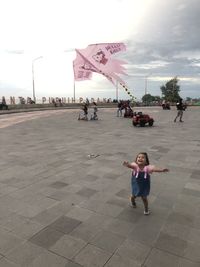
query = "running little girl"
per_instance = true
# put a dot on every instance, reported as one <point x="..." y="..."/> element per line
<point x="140" y="181"/>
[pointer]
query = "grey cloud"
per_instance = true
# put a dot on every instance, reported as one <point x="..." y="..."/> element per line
<point x="170" y="27"/>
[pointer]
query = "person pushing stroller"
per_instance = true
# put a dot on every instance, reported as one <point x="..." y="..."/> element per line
<point x="84" y="116"/>
<point x="94" y="115"/>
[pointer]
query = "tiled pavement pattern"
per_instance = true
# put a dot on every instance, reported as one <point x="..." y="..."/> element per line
<point x="61" y="208"/>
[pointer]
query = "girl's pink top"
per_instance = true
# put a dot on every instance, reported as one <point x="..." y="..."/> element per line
<point x="147" y="169"/>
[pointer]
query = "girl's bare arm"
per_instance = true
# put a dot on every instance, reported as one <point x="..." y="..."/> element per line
<point x="129" y="165"/>
<point x="160" y="169"/>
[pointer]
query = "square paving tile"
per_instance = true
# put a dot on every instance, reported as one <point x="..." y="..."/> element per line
<point x="191" y="192"/>
<point x="65" y="224"/>
<point x="92" y="256"/>
<point x="124" y="194"/>
<point x="134" y="251"/>
<point x="86" y="231"/>
<point x="118" y="202"/>
<point x="161" y="149"/>
<point x="59" y="195"/>
<point x="130" y="215"/>
<point x="8" y="241"/>
<point x="195" y="174"/>
<point x="58" y="185"/>
<point x="192" y="252"/>
<point x="68" y="246"/>
<point x="73" y="264"/>
<point x="146" y="230"/>
<point x="102" y="208"/>
<point x="45" y="217"/>
<point x="116" y="261"/>
<point x="158" y="258"/>
<point x="194" y="235"/>
<point x="107" y="241"/>
<point x="87" y="192"/>
<point x="48" y="259"/>
<point x="6" y="263"/>
<point x="46" y="237"/>
<point x="187" y="263"/>
<point x="184" y="219"/>
<point x="27" y="229"/>
<point x="111" y="176"/>
<point x="90" y="178"/>
<point x="79" y="213"/>
<point x="25" y="254"/>
<point x="172" y="244"/>
<point x="119" y="227"/>
<point x="177" y="230"/>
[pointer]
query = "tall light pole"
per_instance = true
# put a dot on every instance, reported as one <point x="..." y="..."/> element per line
<point x="74" y="84"/>
<point x="145" y="85"/>
<point x="33" y="74"/>
<point x="117" y="98"/>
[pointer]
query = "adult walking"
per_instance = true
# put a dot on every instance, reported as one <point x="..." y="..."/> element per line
<point x="119" y="108"/>
<point x="180" y="107"/>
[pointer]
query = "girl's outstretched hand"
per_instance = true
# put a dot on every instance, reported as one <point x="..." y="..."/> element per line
<point x="125" y="163"/>
<point x="165" y="170"/>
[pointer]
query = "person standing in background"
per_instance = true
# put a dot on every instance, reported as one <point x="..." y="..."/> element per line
<point x="180" y="108"/>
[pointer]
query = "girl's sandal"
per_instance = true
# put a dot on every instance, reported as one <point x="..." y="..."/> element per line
<point x="146" y="212"/>
<point x="133" y="202"/>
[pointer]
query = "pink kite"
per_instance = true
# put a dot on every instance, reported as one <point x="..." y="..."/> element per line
<point x="98" y="58"/>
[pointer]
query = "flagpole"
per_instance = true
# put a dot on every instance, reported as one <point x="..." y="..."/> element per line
<point x="74" y="91"/>
<point x="74" y="85"/>
<point x="117" y="90"/>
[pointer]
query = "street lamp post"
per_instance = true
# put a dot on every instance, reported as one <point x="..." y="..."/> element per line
<point x="33" y="74"/>
<point x="117" y="98"/>
<point x="145" y="86"/>
<point x="74" y="85"/>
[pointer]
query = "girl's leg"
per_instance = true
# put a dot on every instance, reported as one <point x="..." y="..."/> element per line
<point x="133" y="201"/>
<point x="146" y="207"/>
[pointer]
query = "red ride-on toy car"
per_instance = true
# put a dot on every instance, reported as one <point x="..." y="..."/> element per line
<point x="140" y="119"/>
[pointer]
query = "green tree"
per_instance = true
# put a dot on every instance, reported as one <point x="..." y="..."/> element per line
<point x="157" y="98"/>
<point x="147" y="98"/>
<point x="170" y="90"/>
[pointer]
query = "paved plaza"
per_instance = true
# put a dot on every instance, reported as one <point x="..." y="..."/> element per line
<point x="60" y="207"/>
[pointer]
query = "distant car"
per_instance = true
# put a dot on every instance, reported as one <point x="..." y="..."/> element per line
<point x="140" y="119"/>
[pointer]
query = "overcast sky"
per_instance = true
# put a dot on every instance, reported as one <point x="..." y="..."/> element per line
<point x="162" y="39"/>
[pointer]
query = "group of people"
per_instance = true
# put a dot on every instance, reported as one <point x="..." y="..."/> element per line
<point x="124" y="105"/>
<point x="3" y="104"/>
<point x="84" y="114"/>
<point x="128" y="112"/>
